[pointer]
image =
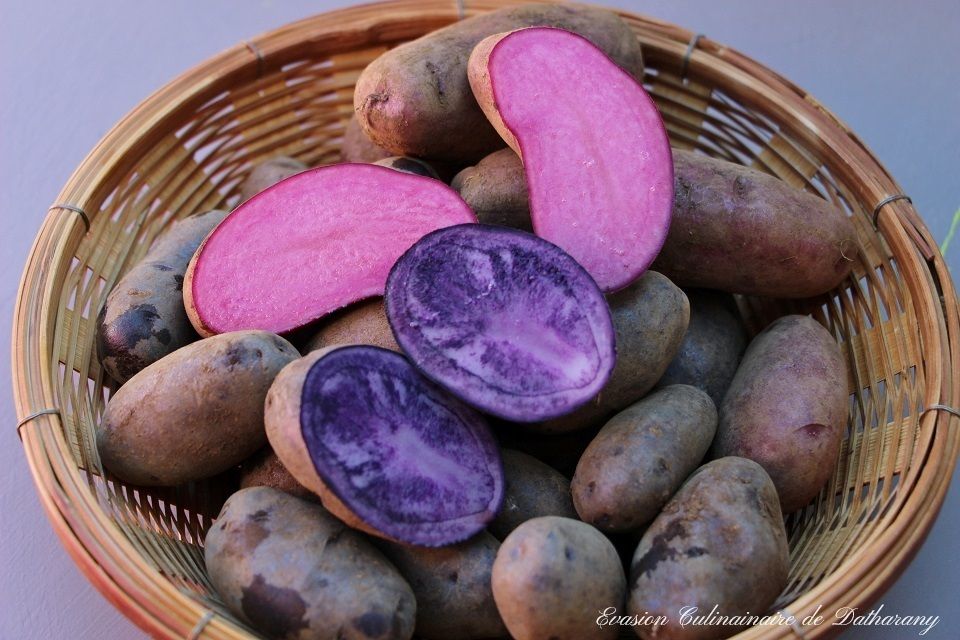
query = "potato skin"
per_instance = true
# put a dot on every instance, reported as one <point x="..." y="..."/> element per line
<point x="452" y="587"/>
<point x="711" y="347"/>
<point x="195" y="413"/>
<point x="650" y="318"/>
<point x="295" y="572"/>
<point x="720" y="541"/>
<point x="642" y="456"/>
<point x="268" y="173"/>
<point x="560" y="451"/>
<point x="531" y="489"/>
<point x="787" y="408"/>
<point x="361" y="323"/>
<point x="264" y="469"/>
<point x="739" y="230"/>
<point x="357" y="147"/>
<point x="416" y="100"/>
<point x="409" y="165"/>
<point x="143" y="318"/>
<point x="496" y="190"/>
<point x="551" y="578"/>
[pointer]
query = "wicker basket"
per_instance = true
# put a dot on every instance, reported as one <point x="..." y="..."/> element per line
<point x="187" y="147"/>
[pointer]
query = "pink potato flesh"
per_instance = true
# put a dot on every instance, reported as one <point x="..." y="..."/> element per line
<point x="594" y="148"/>
<point x="311" y="244"/>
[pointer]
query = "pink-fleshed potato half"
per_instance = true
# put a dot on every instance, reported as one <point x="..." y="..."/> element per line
<point x="312" y="244"/>
<point x="595" y="152"/>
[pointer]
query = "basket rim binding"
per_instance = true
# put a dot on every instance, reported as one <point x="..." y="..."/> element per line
<point x="141" y="593"/>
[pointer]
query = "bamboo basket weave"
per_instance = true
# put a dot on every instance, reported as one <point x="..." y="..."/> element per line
<point x="188" y="147"/>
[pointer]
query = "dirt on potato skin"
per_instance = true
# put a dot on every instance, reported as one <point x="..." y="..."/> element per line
<point x="143" y="318"/>
<point x="293" y="571"/>
<point x="720" y="541"/>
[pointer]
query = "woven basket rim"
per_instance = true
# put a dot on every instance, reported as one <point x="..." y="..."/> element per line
<point x="150" y="601"/>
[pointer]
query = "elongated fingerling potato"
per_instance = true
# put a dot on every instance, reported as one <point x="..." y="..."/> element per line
<point x="787" y="408"/>
<point x="144" y="318"/>
<point x="195" y="413"/>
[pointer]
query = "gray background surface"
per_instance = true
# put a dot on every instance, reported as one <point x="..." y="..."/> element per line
<point x="69" y="71"/>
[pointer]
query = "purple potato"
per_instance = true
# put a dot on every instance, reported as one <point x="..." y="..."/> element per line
<point x="553" y="576"/>
<point x="642" y="456"/>
<point x="712" y="346"/>
<point x="452" y="587"/>
<point x="533" y="489"/>
<point x="409" y="165"/>
<point x="649" y="317"/>
<point x="504" y="320"/>
<point x="264" y="469"/>
<point x="268" y="173"/>
<point x="144" y="318"/>
<point x="387" y="451"/>
<point x="496" y="190"/>
<point x="787" y="408"/>
<point x="720" y="542"/>
<point x="294" y="572"/>
<point x="357" y="147"/>
<point x="195" y="413"/>
<point x="361" y="323"/>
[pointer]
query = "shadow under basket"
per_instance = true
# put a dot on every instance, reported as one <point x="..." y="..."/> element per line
<point x="188" y="147"/>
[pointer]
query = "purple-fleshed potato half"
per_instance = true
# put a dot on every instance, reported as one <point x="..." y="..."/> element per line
<point x="387" y="451"/>
<point x="504" y="320"/>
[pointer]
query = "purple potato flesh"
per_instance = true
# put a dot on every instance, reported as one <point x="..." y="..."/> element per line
<point x="405" y="457"/>
<point x="504" y="320"/>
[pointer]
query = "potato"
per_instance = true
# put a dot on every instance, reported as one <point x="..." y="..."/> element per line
<point x="357" y="147"/>
<point x="531" y="489"/>
<point x="496" y="190"/>
<point x="719" y="542"/>
<point x="560" y="451"/>
<point x="733" y="228"/>
<point x="409" y="165"/>
<point x="504" y="320"/>
<point x="293" y="571"/>
<point x="195" y="413"/>
<point x="361" y="323"/>
<point x="711" y="347"/>
<point x="452" y="587"/>
<point x="580" y="155"/>
<point x="272" y="264"/>
<point x="387" y="451"/>
<point x="787" y="408"/>
<point x="740" y="230"/>
<point x="268" y="173"/>
<point x="642" y="456"/>
<point x="415" y="99"/>
<point x="650" y="317"/>
<point x="551" y="578"/>
<point x="144" y="318"/>
<point x="264" y="469"/>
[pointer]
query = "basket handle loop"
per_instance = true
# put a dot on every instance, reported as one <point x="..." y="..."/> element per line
<point x="685" y="63"/>
<point x="201" y="625"/>
<point x="72" y="207"/>
<point x="885" y="202"/>
<point x="942" y="407"/>
<point x="34" y="415"/>
<point x="258" y="54"/>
